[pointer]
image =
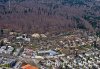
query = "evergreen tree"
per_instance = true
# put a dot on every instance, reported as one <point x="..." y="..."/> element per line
<point x="1" y="32"/>
<point x="2" y="43"/>
<point x="94" y="44"/>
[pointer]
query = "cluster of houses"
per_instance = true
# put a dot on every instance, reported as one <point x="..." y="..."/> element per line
<point x="7" y="62"/>
<point x="48" y="53"/>
<point x="89" y="60"/>
<point x="6" y="49"/>
<point x="74" y="40"/>
<point x="24" y="53"/>
<point x="29" y="53"/>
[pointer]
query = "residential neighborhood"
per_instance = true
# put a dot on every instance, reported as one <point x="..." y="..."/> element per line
<point x="76" y="50"/>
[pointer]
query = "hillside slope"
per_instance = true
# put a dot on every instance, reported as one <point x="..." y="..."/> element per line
<point x="49" y="15"/>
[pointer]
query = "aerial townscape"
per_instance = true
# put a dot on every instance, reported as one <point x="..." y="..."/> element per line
<point x="49" y="34"/>
<point x="70" y="50"/>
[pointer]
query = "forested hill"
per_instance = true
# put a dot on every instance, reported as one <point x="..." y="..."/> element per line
<point x="50" y="15"/>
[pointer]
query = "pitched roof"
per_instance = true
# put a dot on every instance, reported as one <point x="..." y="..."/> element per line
<point x="29" y="67"/>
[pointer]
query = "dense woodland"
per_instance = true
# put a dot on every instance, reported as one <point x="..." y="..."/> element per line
<point x="50" y="15"/>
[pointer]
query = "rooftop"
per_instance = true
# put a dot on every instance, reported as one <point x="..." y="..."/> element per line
<point x="29" y="67"/>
